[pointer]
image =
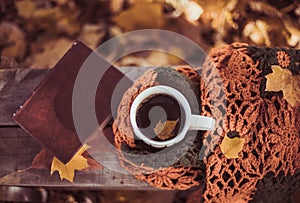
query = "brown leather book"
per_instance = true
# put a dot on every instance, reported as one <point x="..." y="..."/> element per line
<point x="47" y="114"/>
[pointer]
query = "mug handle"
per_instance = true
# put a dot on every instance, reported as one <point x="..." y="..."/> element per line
<point x="198" y="122"/>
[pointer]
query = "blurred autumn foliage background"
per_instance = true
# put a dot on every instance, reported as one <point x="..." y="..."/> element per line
<point x="36" y="33"/>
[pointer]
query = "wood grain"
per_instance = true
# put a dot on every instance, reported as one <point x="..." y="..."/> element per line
<point x="16" y="85"/>
<point x="18" y="148"/>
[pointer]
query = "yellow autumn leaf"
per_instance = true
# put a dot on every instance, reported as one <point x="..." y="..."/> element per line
<point x="283" y="80"/>
<point x="25" y="8"/>
<point x="141" y="15"/>
<point x="231" y="147"/>
<point x="163" y="130"/>
<point x="66" y="171"/>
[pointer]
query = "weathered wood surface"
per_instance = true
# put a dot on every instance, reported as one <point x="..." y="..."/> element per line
<point x="16" y="85"/>
<point x="18" y="148"/>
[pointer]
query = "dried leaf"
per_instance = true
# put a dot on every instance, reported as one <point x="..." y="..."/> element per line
<point x="141" y="15"/>
<point x="164" y="130"/>
<point x="59" y="19"/>
<point x="116" y="5"/>
<point x="15" y="40"/>
<point x="152" y="58"/>
<point x="283" y="80"/>
<point x="258" y="31"/>
<point x="192" y="11"/>
<point x="66" y="171"/>
<point x="25" y="8"/>
<point x="52" y="53"/>
<point x="42" y="160"/>
<point x="293" y="29"/>
<point x="231" y="147"/>
<point x="92" y="35"/>
<point x="93" y="164"/>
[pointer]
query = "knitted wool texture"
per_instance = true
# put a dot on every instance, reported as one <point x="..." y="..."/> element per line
<point x="268" y="123"/>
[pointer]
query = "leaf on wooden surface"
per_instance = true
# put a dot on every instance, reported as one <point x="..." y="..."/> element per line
<point x="42" y="160"/>
<point x="231" y="147"/>
<point x="163" y="130"/>
<point x="66" y="171"/>
<point x="141" y="15"/>
<point x="93" y="164"/>
<point x="283" y="80"/>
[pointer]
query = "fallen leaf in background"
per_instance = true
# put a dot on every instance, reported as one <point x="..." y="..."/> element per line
<point x="68" y="19"/>
<point x="294" y="38"/>
<point x="92" y="34"/>
<point x="8" y="63"/>
<point x="25" y="8"/>
<point x="222" y="22"/>
<point x="258" y="32"/>
<point x="179" y="6"/>
<point x="283" y="80"/>
<point x="52" y="52"/>
<point x="141" y="15"/>
<point x="66" y="171"/>
<point x="219" y="13"/>
<point x="271" y="26"/>
<point x="231" y="147"/>
<point x="132" y="60"/>
<point x="163" y="130"/>
<point x="192" y="11"/>
<point x="157" y="58"/>
<point x="56" y="19"/>
<point x="15" y="40"/>
<point x="153" y="58"/>
<point x="116" y="5"/>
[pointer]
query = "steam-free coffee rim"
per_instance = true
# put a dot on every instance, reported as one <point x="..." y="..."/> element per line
<point x="160" y="89"/>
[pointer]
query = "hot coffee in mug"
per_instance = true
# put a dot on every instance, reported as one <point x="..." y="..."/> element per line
<point x="161" y="116"/>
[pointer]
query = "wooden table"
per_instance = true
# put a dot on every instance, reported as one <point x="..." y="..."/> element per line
<point x="18" y="149"/>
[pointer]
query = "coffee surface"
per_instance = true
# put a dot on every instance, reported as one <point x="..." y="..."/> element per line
<point x="159" y="117"/>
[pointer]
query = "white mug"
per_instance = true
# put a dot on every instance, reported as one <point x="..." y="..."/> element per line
<point x="192" y="122"/>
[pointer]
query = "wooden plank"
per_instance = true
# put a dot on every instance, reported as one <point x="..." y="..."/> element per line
<point x="99" y="179"/>
<point x="16" y="86"/>
<point x="18" y="149"/>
